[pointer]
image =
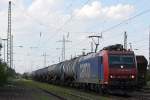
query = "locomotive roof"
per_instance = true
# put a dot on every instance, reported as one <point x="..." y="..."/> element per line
<point x="42" y="69"/>
<point x="92" y="55"/>
<point x="120" y="52"/>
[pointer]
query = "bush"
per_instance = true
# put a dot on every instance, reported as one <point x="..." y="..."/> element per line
<point x="26" y="76"/>
<point x="11" y="73"/>
<point x="3" y="73"/>
<point x="6" y="73"/>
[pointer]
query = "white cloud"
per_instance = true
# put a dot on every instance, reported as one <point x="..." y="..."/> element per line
<point x="96" y="10"/>
<point x="90" y="11"/>
<point x="40" y="7"/>
<point x="119" y="11"/>
<point x="47" y="16"/>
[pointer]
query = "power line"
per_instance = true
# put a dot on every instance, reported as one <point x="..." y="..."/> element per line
<point x="69" y="20"/>
<point x="72" y="16"/>
<point x="130" y="18"/>
<point x="66" y="22"/>
<point x="117" y="25"/>
<point x="122" y="22"/>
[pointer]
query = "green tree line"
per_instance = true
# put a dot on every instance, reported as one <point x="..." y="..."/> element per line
<point x="5" y="72"/>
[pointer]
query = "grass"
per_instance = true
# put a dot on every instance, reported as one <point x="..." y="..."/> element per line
<point x="148" y="83"/>
<point x="40" y="96"/>
<point x="69" y="94"/>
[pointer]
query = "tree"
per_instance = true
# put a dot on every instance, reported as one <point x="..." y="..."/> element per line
<point x="3" y="73"/>
<point x="11" y="72"/>
<point x="6" y="73"/>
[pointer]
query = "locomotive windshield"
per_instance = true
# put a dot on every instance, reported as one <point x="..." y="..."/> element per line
<point x="121" y="59"/>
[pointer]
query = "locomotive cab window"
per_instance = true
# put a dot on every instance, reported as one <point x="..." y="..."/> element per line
<point x="121" y="59"/>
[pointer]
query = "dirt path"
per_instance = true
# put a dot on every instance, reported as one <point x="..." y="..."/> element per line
<point x="16" y="92"/>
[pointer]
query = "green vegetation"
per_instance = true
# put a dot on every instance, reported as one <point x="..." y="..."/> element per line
<point x="148" y="83"/>
<point x="3" y="73"/>
<point x="26" y="76"/>
<point x="6" y="73"/>
<point x="69" y="94"/>
<point x="40" y="96"/>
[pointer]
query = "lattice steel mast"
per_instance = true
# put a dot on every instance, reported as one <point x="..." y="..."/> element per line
<point x="9" y="38"/>
<point x="64" y="41"/>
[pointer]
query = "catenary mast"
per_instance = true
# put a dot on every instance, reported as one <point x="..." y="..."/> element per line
<point x="9" y="38"/>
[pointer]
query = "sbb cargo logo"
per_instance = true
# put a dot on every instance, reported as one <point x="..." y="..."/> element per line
<point x="85" y="70"/>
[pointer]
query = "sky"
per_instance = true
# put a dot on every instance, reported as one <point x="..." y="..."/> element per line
<point x="38" y="25"/>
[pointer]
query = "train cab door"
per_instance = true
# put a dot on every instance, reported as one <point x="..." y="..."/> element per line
<point x="101" y="69"/>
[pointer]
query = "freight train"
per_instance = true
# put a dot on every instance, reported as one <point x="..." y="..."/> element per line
<point x="111" y="68"/>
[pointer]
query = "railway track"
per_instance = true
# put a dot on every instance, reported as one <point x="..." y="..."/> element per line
<point x="140" y="96"/>
<point x="74" y="95"/>
<point x="62" y="92"/>
<point x="143" y="94"/>
<point x="70" y="93"/>
<point x="52" y="94"/>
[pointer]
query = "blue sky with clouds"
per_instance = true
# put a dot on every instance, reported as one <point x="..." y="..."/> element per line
<point x="55" y="18"/>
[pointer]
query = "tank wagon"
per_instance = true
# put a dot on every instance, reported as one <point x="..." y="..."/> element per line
<point x="111" y="68"/>
<point x="40" y="74"/>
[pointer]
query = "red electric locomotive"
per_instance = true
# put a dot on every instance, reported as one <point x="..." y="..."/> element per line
<point x="120" y="69"/>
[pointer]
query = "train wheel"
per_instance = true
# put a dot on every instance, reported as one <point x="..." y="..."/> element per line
<point x="97" y="88"/>
<point x="102" y="90"/>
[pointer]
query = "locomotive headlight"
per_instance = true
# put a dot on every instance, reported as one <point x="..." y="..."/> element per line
<point x="143" y="76"/>
<point x="111" y="76"/>
<point x="132" y="76"/>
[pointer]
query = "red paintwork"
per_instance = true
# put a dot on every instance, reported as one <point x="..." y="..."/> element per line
<point x="106" y="65"/>
<point x="123" y="73"/>
<point x="120" y="73"/>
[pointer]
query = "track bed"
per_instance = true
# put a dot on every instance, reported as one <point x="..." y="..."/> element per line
<point x="31" y="90"/>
